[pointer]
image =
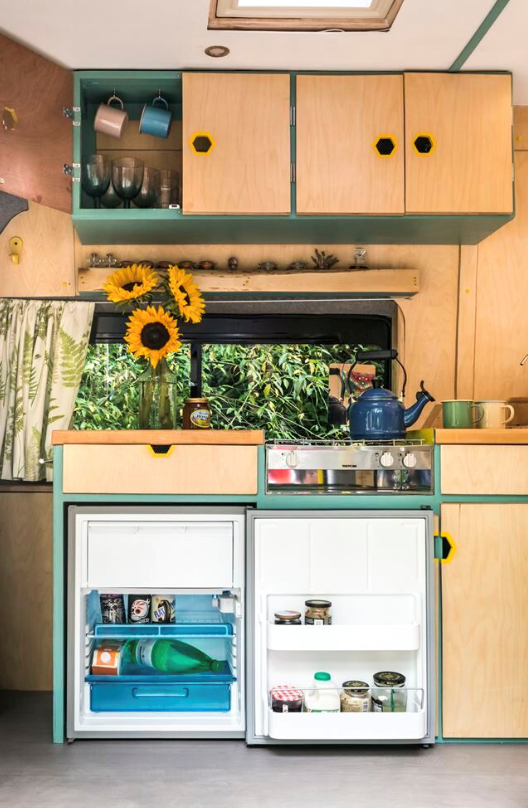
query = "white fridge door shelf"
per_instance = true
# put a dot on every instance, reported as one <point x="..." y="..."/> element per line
<point x="360" y="637"/>
<point x="348" y="726"/>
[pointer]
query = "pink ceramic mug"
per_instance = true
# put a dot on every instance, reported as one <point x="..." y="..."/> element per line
<point x="111" y="120"/>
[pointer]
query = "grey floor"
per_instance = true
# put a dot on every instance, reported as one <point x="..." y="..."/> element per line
<point x="226" y="774"/>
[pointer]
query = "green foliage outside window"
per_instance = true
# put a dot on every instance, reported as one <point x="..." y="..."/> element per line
<point x="280" y="388"/>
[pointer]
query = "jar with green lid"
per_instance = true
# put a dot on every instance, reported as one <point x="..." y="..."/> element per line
<point x="287" y="617"/>
<point x="318" y="613"/>
<point x="355" y="698"/>
<point x="389" y="695"/>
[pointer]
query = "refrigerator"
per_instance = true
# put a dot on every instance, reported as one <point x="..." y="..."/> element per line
<point x="229" y="569"/>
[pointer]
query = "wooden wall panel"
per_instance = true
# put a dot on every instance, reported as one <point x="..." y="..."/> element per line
<point x="467" y="322"/>
<point x="47" y="265"/>
<point x="26" y="587"/>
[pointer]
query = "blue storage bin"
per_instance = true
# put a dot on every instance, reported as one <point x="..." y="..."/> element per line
<point x="159" y="696"/>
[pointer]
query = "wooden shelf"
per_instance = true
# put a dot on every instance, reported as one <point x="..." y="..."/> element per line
<point x="160" y="437"/>
<point x="507" y="437"/>
<point x="383" y="282"/>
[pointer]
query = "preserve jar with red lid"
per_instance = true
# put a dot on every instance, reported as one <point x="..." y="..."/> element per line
<point x="286" y="699"/>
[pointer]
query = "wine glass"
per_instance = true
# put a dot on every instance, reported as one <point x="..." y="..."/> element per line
<point x="110" y="199"/>
<point x="127" y="177"/>
<point x="149" y="191"/>
<point x="96" y="175"/>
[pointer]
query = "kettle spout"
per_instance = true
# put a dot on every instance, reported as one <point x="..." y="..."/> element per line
<point x="412" y="414"/>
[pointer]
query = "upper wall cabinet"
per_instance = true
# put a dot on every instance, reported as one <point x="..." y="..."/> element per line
<point x="458" y="143"/>
<point x="35" y="137"/>
<point x="350" y="155"/>
<point x="236" y="143"/>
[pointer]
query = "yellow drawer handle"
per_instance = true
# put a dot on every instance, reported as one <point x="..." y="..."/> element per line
<point x="445" y="547"/>
<point x="385" y="146"/>
<point x="424" y="144"/>
<point x="161" y="450"/>
<point x="202" y="143"/>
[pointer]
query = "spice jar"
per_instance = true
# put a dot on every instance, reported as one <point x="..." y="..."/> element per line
<point x="355" y="698"/>
<point x="286" y="699"/>
<point x="318" y="613"/>
<point x="287" y="618"/>
<point x="389" y="695"/>
<point x="196" y="414"/>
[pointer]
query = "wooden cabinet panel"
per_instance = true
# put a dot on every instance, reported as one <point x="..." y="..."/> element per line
<point x="485" y="622"/>
<point x="484" y="470"/>
<point x="469" y="116"/>
<point x="26" y="586"/>
<point x="248" y="169"/>
<point x="33" y="152"/>
<point x="339" y="121"/>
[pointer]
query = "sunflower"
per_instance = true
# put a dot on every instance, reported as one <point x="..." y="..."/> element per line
<point x="152" y="334"/>
<point x="130" y="283"/>
<point x="188" y="299"/>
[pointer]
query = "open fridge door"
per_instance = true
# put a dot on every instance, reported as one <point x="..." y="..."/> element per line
<point x="376" y="569"/>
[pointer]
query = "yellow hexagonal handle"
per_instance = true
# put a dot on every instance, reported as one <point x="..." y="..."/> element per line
<point x="424" y="144"/>
<point x="202" y="143"/>
<point x="385" y="145"/>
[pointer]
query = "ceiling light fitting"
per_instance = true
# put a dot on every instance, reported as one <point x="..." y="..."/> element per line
<point x="217" y="51"/>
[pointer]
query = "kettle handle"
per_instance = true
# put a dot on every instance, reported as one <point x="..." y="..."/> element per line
<point x="424" y="392"/>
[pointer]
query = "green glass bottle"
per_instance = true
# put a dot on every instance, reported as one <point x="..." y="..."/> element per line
<point x="170" y="656"/>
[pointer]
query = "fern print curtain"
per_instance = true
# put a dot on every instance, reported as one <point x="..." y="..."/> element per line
<point x="43" y="348"/>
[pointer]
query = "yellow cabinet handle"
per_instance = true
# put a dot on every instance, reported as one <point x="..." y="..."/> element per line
<point x="161" y="450"/>
<point x="424" y="144"/>
<point x="385" y="145"/>
<point x="445" y="547"/>
<point x="202" y="143"/>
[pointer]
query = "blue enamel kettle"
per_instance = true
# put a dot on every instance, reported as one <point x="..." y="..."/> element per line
<point x="378" y="414"/>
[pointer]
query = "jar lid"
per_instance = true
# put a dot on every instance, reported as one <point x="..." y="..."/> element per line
<point x="286" y="614"/>
<point x="389" y="679"/>
<point x="318" y="604"/>
<point x="195" y="400"/>
<point x="322" y="676"/>
<point x="356" y="687"/>
<point x="286" y="693"/>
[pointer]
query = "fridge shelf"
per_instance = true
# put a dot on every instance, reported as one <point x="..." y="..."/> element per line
<point x="349" y="637"/>
<point x="348" y="726"/>
<point x="179" y="630"/>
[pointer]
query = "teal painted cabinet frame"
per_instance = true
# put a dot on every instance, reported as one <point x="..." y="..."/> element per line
<point x="261" y="501"/>
<point x="156" y="226"/>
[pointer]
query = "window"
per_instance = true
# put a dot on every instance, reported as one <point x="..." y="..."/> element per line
<point x="303" y="15"/>
<point x="258" y="372"/>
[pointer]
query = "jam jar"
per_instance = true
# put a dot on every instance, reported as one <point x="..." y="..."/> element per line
<point x="287" y="617"/>
<point x="389" y="695"/>
<point x="355" y="697"/>
<point x="286" y="699"/>
<point x="196" y="414"/>
<point x="318" y="613"/>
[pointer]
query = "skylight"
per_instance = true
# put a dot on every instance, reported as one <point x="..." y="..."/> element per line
<point x="303" y="15"/>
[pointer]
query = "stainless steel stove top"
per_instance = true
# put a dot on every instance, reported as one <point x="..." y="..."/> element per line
<point x="344" y="466"/>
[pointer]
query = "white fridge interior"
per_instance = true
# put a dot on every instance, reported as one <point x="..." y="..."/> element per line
<point x="376" y="569"/>
<point x="199" y="558"/>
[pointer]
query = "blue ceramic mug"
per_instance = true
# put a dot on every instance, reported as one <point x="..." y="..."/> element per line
<point x="156" y="118"/>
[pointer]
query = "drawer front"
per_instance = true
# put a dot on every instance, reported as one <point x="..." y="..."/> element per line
<point x="135" y="469"/>
<point x="161" y="554"/>
<point x="485" y="470"/>
<point x="136" y="697"/>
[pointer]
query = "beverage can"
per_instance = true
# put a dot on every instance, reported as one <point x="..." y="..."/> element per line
<point x="112" y="608"/>
<point x="163" y="609"/>
<point x="139" y="608"/>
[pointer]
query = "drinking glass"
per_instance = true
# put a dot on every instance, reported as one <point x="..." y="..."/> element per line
<point x="127" y="177"/>
<point x="169" y="188"/>
<point x="110" y="199"/>
<point x="96" y="175"/>
<point x="148" y="194"/>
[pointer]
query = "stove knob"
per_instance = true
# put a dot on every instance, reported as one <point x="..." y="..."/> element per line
<point x="386" y="460"/>
<point x="410" y="460"/>
<point x="292" y="460"/>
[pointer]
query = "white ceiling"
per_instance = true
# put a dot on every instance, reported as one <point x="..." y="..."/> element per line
<point x="427" y="34"/>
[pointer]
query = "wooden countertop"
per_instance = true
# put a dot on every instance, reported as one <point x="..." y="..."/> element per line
<point x="160" y="437"/>
<point x="506" y="437"/>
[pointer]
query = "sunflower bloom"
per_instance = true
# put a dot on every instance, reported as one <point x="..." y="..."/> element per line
<point x="186" y="294"/>
<point x="130" y="283"/>
<point x="152" y="334"/>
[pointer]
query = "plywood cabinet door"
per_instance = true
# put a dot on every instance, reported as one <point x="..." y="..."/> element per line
<point x="35" y="137"/>
<point x="350" y="156"/>
<point x="236" y="143"/>
<point x="458" y="143"/>
<point x="485" y="621"/>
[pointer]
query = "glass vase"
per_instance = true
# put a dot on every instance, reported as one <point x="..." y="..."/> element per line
<point x="157" y="397"/>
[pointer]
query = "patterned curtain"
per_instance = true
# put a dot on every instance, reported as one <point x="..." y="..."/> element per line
<point x="43" y="348"/>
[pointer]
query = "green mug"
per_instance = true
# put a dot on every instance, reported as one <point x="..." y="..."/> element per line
<point x="459" y="414"/>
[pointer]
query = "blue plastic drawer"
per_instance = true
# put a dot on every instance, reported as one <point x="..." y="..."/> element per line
<point x="139" y="696"/>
